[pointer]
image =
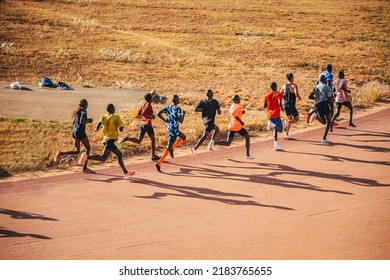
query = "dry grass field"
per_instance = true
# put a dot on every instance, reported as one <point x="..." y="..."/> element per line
<point x="185" y="47"/>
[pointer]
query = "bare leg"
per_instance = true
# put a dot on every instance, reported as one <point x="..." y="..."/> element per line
<point x="87" y="146"/>
<point x="120" y="160"/>
<point x="201" y="139"/>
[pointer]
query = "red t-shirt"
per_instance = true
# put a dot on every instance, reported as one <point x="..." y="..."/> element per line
<point x="273" y="107"/>
<point x="145" y="111"/>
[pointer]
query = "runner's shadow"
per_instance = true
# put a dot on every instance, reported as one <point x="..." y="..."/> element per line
<point x="113" y="178"/>
<point x="268" y="179"/>
<point x="201" y="193"/>
<point x="24" y="215"/>
<point x="342" y="159"/>
<point x="4" y="233"/>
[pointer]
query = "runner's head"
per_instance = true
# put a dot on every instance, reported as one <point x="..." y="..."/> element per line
<point x="290" y="77"/>
<point x="236" y="98"/>
<point x="341" y="75"/>
<point x="111" y="108"/>
<point x="209" y="94"/>
<point x="175" y="99"/>
<point x="323" y="79"/>
<point x="83" y="103"/>
<point x="148" y="97"/>
<point x="274" y="86"/>
<point x="329" y="68"/>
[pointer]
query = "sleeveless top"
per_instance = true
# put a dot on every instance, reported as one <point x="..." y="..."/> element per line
<point x="288" y="96"/>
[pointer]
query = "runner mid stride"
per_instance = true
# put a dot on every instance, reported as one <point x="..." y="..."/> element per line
<point x="209" y="107"/>
<point x="236" y="125"/>
<point x="174" y="116"/>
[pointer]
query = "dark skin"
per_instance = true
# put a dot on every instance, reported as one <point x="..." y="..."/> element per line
<point x="141" y="137"/>
<point x="107" y="152"/>
<point x="175" y="101"/>
<point x="277" y="128"/>
<point x="228" y="141"/>
<point x="84" y="141"/>
<point x="347" y="104"/>
<point x="206" y="134"/>
<point x="328" y="117"/>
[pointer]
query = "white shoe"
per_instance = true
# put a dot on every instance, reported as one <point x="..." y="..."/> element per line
<point x="211" y="145"/>
<point x="276" y="147"/>
<point x="313" y="117"/>
<point x="326" y="142"/>
<point x="193" y="152"/>
<point x="271" y="125"/>
<point x="82" y="157"/>
<point x="250" y="157"/>
<point x="287" y="137"/>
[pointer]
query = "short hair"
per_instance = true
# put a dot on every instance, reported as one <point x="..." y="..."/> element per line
<point x="235" y="97"/>
<point x="341" y="74"/>
<point x="273" y="85"/>
<point x="147" y="96"/>
<point x="83" y="102"/>
<point x="322" y="78"/>
<point x="209" y="91"/>
<point x="329" y="67"/>
<point x="289" y="76"/>
<point x="110" y="108"/>
<point x="175" y="96"/>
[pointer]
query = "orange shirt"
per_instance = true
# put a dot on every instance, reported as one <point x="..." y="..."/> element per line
<point x="235" y="111"/>
<point x="272" y="100"/>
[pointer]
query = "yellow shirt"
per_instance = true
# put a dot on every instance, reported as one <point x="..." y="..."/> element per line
<point x="111" y="123"/>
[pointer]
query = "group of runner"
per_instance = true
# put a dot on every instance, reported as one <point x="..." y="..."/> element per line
<point x="274" y="102"/>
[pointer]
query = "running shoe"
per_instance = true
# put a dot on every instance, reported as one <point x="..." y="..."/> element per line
<point x="276" y="147"/>
<point x="83" y="158"/>
<point x="287" y="137"/>
<point x="57" y="157"/>
<point x="123" y="139"/>
<point x="308" y="116"/>
<point x="87" y="170"/>
<point x="158" y="167"/>
<point x="250" y="157"/>
<point x="193" y="152"/>
<point x="211" y="145"/>
<point x="325" y="141"/>
<point x="313" y="117"/>
<point x="128" y="175"/>
<point x="155" y="157"/>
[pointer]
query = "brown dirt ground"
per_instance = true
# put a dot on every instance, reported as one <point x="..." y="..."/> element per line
<point x="309" y="201"/>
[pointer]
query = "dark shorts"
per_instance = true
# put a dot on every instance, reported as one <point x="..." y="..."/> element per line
<point x="347" y="104"/>
<point x="145" y="129"/>
<point x="323" y="108"/>
<point x="290" y="109"/>
<point x="277" y="121"/>
<point x="78" y="134"/>
<point x="242" y="132"/>
<point x="110" y="145"/>
<point x="209" y="126"/>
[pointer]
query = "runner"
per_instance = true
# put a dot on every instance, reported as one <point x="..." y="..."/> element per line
<point x="329" y="82"/>
<point x="147" y="114"/>
<point x="273" y="104"/>
<point x="342" y="97"/>
<point x="209" y="107"/>
<point x="174" y="116"/>
<point x="236" y="125"/>
<point x="290" y="94"/>
<point x="322" y="94"/>
<point x="80" y="119"/>
<point x="111" y="123"/>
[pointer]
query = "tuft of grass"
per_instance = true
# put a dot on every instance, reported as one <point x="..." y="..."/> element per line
<point x="369" y="93"/>
<point x="19" y="120"/>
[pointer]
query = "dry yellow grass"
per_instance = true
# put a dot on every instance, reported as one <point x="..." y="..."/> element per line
<point x="185" y="47"/>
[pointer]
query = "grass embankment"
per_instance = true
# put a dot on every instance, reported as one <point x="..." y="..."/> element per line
<point x="29" y="145"/>
<point x="182" y="47"/>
